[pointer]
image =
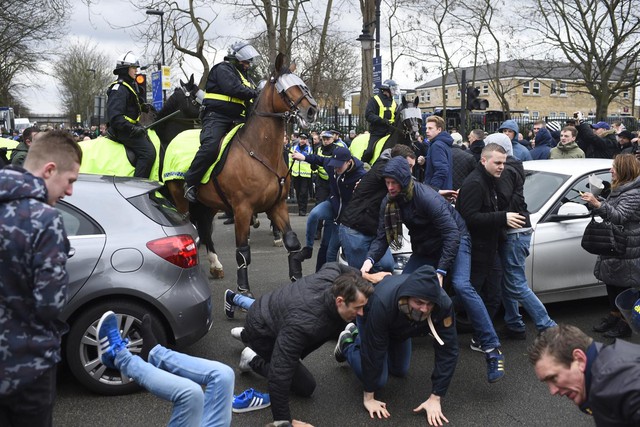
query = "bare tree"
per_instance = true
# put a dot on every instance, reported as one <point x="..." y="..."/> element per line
<point x="27" y="26"/>
<point x="599" y="38"/>
<point x="82" y="72"/>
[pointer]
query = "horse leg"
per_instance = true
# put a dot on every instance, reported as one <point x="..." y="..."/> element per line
<point x="277" y="236"/>
<point x="202" y="216"/>
<point x="279" y="214"/>
<point x="243" y="251"/>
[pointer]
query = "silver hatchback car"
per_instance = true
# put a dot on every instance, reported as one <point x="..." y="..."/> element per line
<point x="132" y="253"/>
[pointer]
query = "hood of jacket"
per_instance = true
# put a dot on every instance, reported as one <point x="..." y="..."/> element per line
<point x="543" y="137"/>
<point x="398" y="169"/>
<point x="510" y="124"/>
<point x="567" y="147"/>
<point x="423" y="283"/>
<point x="444" y="137"/>
<point x="16" y="183"/>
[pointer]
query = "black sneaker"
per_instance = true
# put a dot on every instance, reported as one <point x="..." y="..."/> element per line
<point x="606" y="323"/>
<point x="229" y="306"/>
<point x="345" y="338"/>
<point x="620" y="330"/>
<point x="191" y="193"/>
<point x="512" y="334"/>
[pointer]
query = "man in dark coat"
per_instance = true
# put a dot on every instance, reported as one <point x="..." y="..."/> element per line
<point x="286" y="325"/>
<point x="359" y="221"/>
<point x="602" y="380"/>
<point x="598" y="141"/>
<point x="438" y="171"/>
<point x="544" y="143"/>
<point x="402" y="307"/>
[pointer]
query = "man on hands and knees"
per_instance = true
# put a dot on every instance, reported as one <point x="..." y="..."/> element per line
<point x="284" y="326"/>
<point x="400" y="308"/>
<point x="602" y="380"/>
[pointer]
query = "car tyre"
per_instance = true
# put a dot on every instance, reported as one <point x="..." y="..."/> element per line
<point x="81" y="346"/>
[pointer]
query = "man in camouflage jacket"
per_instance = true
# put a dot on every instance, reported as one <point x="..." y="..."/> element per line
<point x="33" y="278"/>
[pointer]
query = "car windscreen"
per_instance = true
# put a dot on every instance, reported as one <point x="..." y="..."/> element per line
<point x="540" y="186"/>
<point x="157" y="208"/>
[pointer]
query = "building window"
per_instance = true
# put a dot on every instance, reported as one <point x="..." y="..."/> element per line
<point x="554" y="88"/>
<point x="446" y="94"/>
<point x="552" y="114"/>
<point x="526" y="88"/>
<point x="422" y="97"/>
<point x="563" y="89"/>
<point x="535" y="115"/>
<point x="562" y="115"/>
<point x="536" y="88"/>
<point x="485" y="89"/>
<point x="458" y="94"/>
<point x="427" y="95"/>
<point x="625" y="94"/>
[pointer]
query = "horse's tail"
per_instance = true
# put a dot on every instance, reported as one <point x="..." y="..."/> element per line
<point x="202" y="217"/>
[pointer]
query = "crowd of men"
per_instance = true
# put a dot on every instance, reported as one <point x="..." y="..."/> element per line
<point x="463" y="225"/>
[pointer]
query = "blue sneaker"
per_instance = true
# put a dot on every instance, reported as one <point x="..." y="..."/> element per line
<point x="495" y="365"/>
<point x="110" y="343"/>
<point x="250" y="400"/>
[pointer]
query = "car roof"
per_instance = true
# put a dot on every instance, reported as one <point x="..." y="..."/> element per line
<point x="568" y="166"/>
<point x="127" y="186"/>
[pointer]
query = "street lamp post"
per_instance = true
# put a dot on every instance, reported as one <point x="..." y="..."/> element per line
<point x="91" y="70"/>
<point x="160" y="13"/>
<point x="367" y="41"/>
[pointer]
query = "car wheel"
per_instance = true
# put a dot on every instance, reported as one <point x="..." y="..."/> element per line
<point x="82" y="345"/>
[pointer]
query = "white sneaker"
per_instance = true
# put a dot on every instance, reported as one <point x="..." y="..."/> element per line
<point x="245" y="358"/>
<point x="237" y="333"/>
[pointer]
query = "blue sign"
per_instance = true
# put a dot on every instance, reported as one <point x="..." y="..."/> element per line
<point x="377" y="73"/>
<point x="156" y="89"/>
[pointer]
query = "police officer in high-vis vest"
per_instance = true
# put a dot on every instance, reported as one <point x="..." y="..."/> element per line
<point x="124" y="108"/>
<point x="381" y="114"/>
<point x="301" y="173"/>
<point x="228" y="94"/>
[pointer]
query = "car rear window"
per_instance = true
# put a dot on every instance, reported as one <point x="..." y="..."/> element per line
<point x="540" y="186"/>
<point x="157" y="208"/>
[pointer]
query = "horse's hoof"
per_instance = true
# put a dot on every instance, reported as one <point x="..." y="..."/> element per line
<point x="217" y="273"/>
<point x="256" y="223"/>
<point x="278" y="242"/>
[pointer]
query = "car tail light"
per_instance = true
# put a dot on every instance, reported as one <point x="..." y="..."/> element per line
<point x="179" y="250"/>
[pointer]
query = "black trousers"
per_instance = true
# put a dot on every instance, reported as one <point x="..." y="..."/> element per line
<point x="31" y="406"/>
<point x="214" y="127"/>
<point x="143" y="149"/>
<point x="302" y="186"/>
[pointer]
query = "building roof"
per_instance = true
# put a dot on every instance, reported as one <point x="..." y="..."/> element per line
<point x="517" y="68"/>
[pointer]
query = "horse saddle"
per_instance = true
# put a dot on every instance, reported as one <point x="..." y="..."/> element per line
<point x="218" y="164"/>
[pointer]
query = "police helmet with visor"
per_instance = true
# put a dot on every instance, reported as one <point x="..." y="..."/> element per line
<point x="243" y="51"/>
<point x="125" y="62"/>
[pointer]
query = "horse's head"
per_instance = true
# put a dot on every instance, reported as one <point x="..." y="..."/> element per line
<point x="295" y="97"/>
<point x="409" y="119"/>
<point x="194" y="96"/>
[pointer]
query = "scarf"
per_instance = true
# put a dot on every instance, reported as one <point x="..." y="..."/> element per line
<point x="392" y="218"/>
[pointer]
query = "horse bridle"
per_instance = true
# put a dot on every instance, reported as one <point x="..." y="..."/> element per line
<point x="282" y="84"/>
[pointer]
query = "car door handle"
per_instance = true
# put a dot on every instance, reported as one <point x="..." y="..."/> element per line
<point x="72" y="252"/>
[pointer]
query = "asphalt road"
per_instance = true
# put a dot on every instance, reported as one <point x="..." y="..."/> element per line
<point x="519" y="399"/>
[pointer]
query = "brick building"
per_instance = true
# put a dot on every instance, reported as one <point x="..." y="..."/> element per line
<point x="533" y="89"/>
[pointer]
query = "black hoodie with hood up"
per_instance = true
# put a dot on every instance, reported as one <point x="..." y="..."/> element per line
<point x="383" y="324"/>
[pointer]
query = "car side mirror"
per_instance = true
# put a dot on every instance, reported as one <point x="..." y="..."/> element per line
<point x="570" y="210"/>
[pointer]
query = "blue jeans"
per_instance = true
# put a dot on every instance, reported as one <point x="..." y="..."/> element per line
<point x="515" y="288"/>
<point x="321" y="212"/>
<point x="397" y="360"/>
<point x="243" y="301"/>
<point x="356" y="246"/>
<point x="476" y="311"/>
<point x="178" y="377"/>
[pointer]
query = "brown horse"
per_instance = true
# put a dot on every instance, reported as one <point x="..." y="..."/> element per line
<point x="255" y="177"/>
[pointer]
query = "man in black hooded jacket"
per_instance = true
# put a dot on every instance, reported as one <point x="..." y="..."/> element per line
<point x="400" y="308"/>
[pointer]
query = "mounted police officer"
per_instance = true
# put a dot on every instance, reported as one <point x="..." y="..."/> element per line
<point x="124" y="107"/>
<point x="228" y="93"/>
<point x="381" y="114"/>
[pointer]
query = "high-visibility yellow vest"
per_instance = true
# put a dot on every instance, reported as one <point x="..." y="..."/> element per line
<point x="300" y="167"/>
<point x="227" y="98"/>
<point x="127" y="118"/>
<point x="382" y="109"/>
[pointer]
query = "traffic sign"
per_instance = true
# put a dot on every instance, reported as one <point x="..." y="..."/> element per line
<point x="156" y="89"/>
